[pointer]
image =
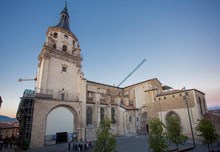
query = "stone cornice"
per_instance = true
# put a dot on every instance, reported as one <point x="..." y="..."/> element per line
<point x="48" y="52"/>
<point x="59" y="29"/>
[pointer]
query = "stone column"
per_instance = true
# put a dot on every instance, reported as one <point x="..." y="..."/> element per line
<point x="83" y="110"/>
<point x="96" y="99"/>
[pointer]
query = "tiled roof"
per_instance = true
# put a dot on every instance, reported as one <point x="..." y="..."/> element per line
<point x="7" y="125"/>
<point x="129" y="107"/>
<point x="212" y="115"/>
<point x="169" y="92"/>
<point x="176" y="91"/>
<point x="64" y="19"/>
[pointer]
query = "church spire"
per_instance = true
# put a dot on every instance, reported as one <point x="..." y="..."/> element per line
<point x="64" y="18"/>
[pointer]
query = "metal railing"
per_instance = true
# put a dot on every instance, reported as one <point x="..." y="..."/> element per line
<point x="56" y="94"/>
<point x="51" y="139"/>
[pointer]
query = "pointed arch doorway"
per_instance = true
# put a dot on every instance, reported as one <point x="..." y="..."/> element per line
<point x="144" y="123"/>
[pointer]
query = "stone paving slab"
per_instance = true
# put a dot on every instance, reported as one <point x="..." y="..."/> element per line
<point x="125" y="144"/>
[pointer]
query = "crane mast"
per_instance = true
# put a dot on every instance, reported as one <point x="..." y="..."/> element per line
<point x="132" y="71"/>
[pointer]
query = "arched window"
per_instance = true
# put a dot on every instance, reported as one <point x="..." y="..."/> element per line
<point x="64" y="48"/>
<point x="55" y="35"/>
<point x="89" y="116"/>
<point x="64" y="17"/>
<point x="54" y="46"/>
<point x="102" y="114"/>
<point x="65" y="36"/>
<point x="113" y="115"/>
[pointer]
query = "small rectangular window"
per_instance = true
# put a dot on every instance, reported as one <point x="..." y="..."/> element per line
<point x="130" y="118"/>
<point x="62" y="96"/>
<point x="63" y="69"/>
<point x="55" y="35"/>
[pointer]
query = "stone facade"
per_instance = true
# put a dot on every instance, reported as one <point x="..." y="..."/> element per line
<point x="61" y="83"/>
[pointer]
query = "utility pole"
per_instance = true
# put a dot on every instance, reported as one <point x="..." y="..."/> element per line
<point x="190" y="122"/>
<point x="0" y="102"/>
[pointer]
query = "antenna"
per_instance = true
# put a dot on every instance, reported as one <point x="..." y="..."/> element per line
<point x="132" y="71"/>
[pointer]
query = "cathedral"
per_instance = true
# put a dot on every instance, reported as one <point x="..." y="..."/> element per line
<point x="66" y="106"/>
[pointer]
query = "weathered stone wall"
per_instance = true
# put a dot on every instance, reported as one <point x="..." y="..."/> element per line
<point x="176" y="103"/>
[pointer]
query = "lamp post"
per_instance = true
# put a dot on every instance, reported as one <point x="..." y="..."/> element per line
<point x="190" y="122"/>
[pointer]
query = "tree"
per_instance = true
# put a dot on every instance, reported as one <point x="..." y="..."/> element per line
<point x="174" y="131"/>
<point x="157" y="140"/>
<point x="207" y="130"/>
<point x="105" y="140"/>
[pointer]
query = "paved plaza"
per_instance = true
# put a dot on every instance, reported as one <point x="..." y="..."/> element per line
<point x="125" y="144"/>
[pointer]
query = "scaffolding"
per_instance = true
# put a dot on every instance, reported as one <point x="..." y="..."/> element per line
<point x="25" y="117"/>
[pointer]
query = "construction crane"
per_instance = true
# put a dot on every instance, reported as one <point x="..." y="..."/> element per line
<point x="20" y="80"/>
<point x="132" y="71"/>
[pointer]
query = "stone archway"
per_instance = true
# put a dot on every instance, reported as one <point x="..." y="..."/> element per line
<point x="61" y="125"/>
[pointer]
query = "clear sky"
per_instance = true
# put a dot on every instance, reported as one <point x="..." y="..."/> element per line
<point x="179" y="38"/>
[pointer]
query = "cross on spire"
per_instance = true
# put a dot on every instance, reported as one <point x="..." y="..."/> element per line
<point x="64" y="18"/>
<point x="65" y="3"/>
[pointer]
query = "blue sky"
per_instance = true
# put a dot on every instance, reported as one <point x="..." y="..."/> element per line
<point x="179" y="38"/>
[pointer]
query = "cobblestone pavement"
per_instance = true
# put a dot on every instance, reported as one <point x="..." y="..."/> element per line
<point x="125" y="144"/>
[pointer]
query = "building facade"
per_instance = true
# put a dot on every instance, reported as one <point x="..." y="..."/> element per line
<point x="8" y="129"/>
<point x="66" y="106"/>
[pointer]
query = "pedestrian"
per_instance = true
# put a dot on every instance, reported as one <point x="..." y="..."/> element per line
<point x="79" y="147"/>
<point x="90" y="145"/>
<point x="85" y="148"/>
<point x="76" y="148"/>
<point x="87" y="145"/>
<point x="73" y="146"/>
<point x="69" y="145"/>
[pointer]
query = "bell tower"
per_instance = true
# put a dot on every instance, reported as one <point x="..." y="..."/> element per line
<point x="59" y="70"/>
<point x="60" y="89"/>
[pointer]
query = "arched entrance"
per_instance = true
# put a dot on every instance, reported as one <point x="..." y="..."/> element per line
<point x="144" y="123"/>
<point x="60" y="125"/>
<point x="173" y="114"/>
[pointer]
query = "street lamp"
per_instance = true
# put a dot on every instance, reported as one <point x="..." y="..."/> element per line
<point x="186" y="101"/>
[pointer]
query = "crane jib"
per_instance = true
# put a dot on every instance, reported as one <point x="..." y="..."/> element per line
<point x="132" y="71"/>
